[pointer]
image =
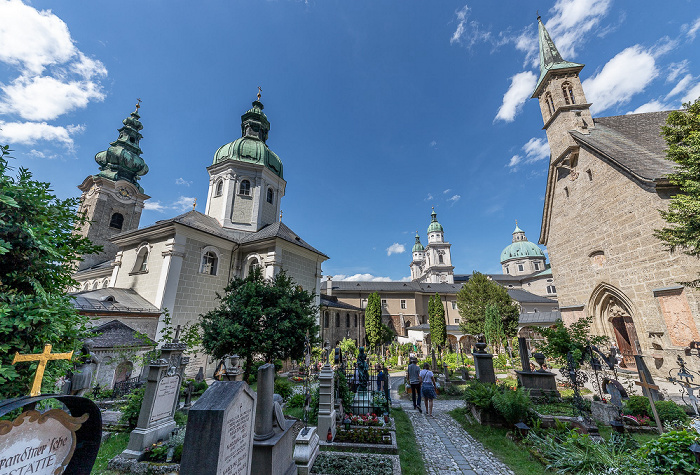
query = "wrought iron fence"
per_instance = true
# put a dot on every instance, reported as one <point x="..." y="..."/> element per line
<point x="125" y="387"/>
<point x="368" y="396"/>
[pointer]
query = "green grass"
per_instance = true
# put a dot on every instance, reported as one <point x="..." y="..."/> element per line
<point x="110" y="448"/>
<point x="410" y="456"/>
<point x="556" y="409"/>
<point x="494" y="439"/>
<point x="641" y="437"/>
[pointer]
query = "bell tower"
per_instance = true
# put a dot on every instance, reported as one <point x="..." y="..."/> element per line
<point x="562" y="101"/>
<point x="113" y="200"/>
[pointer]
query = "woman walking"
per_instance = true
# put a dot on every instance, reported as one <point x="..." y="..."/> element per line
<point x="427" y="381"/>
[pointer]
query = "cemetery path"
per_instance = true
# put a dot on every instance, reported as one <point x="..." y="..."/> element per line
<point x="446" y="447"/>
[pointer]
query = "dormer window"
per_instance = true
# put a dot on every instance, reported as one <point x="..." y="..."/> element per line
<point x="568" y="91"/>
<point x="219" y="188"/>
<point x="244" y="188"/>
<point x="117" y="221"/>
<point x="270" y="195"/>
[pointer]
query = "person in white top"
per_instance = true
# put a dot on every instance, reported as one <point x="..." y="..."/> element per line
<point x="427" y="381"/>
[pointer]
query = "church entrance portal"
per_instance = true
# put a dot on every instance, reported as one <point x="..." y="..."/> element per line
<point x="613" y="317"/>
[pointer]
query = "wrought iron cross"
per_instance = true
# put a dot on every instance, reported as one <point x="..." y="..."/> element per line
<point x="643" y="383"/>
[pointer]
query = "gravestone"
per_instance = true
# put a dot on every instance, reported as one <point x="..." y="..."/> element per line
<point x="538" y="383"/>
<point x="483" y="364"/>
<point x="160" y="400"/>
<point x="326" y="408"/>
<point x="273" y="442"/>
<point x="306" y="449"/>
<point x="219" y="437"/>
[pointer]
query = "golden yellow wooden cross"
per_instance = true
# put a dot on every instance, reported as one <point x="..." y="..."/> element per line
<point x="649" y="386"/>
<point x="42" y="358"/>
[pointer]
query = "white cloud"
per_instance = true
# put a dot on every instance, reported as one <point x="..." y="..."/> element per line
<point x="681" y="86"/>
<point x="29" y="133"/>
<point x="625" y="75"/>
<point x="693" y="28"/>
<point x="692" y="94"/>
<point x="52" y="77"/>
<point x="183" y="203"/>
<point x="454" y="198"/>
<point x="429" y="197"/>
<point x="361" y="278"/>
<point x="651" y="106"/>
<point x="446" y="191"/>
<point x="676" y="69"/>
<point x="46" y="98"/>
<point x="536" y="149"/>
<point x="182" y="181"/>
<point x="395" y="248"/>
<point x="514" y="160"/>
<point x="433" y="144"/>
<point x="572" y="20"/>
<point x="462" y="15"/>
<point x="520" y="89"/>
<point x="154" y="206"/>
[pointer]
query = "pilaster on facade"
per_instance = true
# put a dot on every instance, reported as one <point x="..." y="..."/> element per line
<point x="170" y="276"/>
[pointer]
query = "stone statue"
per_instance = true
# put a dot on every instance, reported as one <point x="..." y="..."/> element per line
<point x="85" y="370"/>
<point x="362" y="370"/>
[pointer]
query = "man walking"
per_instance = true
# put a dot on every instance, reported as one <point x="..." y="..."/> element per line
<point x="414" y="381"/>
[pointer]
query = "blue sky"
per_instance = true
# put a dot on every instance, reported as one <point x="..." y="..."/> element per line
<point x="379" y="110"/>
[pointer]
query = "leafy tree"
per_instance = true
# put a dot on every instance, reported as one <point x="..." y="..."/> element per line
<point x="493" y="328"/>
<point x="436" y="320"/>
<point x="682" y="134"/>
<point x="38" y="251"/>
<point x="373" y="320"/>
<point x="560" y="340"/>
<point x="475" y="296"/>
<point x="349" y="348"/>
<point x="258" y="316"/>
<point x="386" y="334"/>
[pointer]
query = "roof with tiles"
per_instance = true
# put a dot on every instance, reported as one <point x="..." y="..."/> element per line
<point x="539" y="318"/>
<point x="281" y="231"/>
<point x="632" y="141"/>
<point x="115" y="334"/>
<point x="112" y="300"/>
<point x="332" y="302"/>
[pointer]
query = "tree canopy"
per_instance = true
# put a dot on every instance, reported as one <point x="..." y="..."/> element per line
<point x="256" y="316"/>
<point x="373" y="320"/>
<point x="436" y="320"/>
<point x="475" y="296"/>
<point x="38" y="252"/>
<point x="682" y="134"/>
<point x="493" y="328"/>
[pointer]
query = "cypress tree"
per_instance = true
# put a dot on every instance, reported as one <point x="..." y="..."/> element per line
<point x="373" y="320"/>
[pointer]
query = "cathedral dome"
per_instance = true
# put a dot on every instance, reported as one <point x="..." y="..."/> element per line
<point x="521" y="247"/>
<point x="434" y="227"/>
<point x="418" y="247"/>
<point x="251" y="146"/>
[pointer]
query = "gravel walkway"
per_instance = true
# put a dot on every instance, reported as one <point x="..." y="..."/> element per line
<point x="446" y="447"/>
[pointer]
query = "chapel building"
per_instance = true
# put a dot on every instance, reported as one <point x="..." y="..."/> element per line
<point x="606" y="183"/>
<point x="179" y="264"/>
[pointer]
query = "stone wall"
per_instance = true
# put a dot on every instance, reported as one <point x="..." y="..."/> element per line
<point x="335" y="328"/>
<point x="146" y="283"/>
<point x="601" y="233"/>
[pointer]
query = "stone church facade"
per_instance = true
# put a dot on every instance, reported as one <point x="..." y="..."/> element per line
<point x="179" y="264"/>
<point x="605" y="187"/>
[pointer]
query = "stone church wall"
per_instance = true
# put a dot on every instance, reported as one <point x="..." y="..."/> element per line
<point x="243" y="208"/>
<point x="601" y="231"/>
<point x="301" y="269"/>
<point x="146" y="283"/>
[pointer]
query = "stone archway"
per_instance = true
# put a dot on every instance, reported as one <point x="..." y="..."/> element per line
<point x="613" y="316"/>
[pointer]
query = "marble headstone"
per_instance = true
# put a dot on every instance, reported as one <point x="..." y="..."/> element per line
<point x="220" y="427"/>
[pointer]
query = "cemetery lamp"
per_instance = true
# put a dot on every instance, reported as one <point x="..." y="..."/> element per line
<point x="617" y="426"/>
<point x="523" y="429"/>
<point x="695" y="448"/>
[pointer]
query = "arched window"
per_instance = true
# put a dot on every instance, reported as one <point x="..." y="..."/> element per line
<point x="141" y="264"/>
<point x="105" y="283"/>
<point x="550" y="103"/>
<point x="95" y="285"/>
<point x="337" y="319"/>
<point x="507" y="270"/>
<point x="551" y="289"/>
<point x="270" y="195"/>
<point x="219" y="188"/>
<point x="440" y="260"/>
<point x="209" y="263"/>
<point x="568" y="91"/>
<point x="244" y="189"/>
<point x="325" y="319"/>
<point x="347" y="320"/>
<point x="355" y="320"/>
<point x="254" y="263"/>
<point x="86" y="286"/>
<point x="117" y="221"/>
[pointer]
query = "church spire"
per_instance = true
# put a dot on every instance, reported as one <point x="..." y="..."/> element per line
<point x="122" y="160"/>
<point x="550" y="58"/>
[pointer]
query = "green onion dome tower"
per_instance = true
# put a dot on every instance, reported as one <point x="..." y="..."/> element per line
<point x="522" y="257"/>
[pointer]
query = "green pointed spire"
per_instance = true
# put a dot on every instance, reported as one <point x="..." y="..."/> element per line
<point x="550" y="58"/>
<point x="122" y="160"/>
<point x="418" y="247"/>
<point x="434" y="225"/>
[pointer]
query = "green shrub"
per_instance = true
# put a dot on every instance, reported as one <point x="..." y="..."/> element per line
<point x="637" y="406"/>
<point x="283" y="387"/>
<point x="669" y="453"/>
<point x="297" y="400"/>
<point x="500" y="361"/>
<point x="344" y="391"/>
<point x="512" y="405"/>
<point x="132" y="408"/>
<point x="670" y="411"/>
<point x="480" y="394"/>
<point x="200" y="387"/>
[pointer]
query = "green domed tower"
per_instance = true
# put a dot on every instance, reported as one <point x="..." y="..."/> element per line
<point x="246" y="182"/>
<point x="113" y="198"/>
<point x="522" y="257"/>
<point x="434" y="262"/>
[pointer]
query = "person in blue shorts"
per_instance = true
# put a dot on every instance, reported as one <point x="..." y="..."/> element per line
<point x="427" y="381"/>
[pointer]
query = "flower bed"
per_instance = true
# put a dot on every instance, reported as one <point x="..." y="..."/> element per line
<point x="364" y="435"/>
<point x="338" y="463"/>
<point x="369" y="419"/>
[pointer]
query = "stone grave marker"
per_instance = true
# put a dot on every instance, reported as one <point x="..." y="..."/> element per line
<point x="160" y="400"/>
<point x="220" y="428"/>
<point x="540" y="382"/>
<point x="483" y="364"/>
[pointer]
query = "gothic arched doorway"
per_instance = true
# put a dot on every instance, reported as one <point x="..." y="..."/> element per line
<point x="613" y="316"/>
